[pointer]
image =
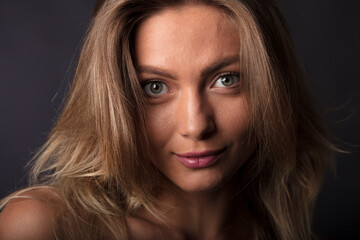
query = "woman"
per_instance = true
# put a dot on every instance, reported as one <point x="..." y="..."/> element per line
<point x="185" y="120"/>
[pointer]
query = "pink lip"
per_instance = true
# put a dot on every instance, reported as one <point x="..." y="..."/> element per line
<point x="200" y="159"/>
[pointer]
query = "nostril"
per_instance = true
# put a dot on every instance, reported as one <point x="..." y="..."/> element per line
<point x="200" y="127"/>
<point x="207" y="134"/>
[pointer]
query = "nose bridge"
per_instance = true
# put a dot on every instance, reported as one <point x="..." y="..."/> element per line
<point x="194" y="115"/>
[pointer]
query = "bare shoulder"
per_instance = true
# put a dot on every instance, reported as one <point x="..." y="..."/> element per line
<point x="31" y="215"/>
<point x="141" y="229"/>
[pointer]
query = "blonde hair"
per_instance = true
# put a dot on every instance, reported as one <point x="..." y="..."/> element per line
<point x="97" y="156"/>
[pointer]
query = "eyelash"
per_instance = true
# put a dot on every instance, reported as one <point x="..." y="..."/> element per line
<point x="227" y="74"/>
<point x="145" y="83"/>
<point x="222" y="75"/>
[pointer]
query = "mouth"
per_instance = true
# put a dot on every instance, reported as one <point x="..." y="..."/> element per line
<point x="200" y="159"/>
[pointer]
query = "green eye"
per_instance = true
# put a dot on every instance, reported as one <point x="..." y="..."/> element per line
<point x="227" y="80"/>
<point x="155" y="88"/>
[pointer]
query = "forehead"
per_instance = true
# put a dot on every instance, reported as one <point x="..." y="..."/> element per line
<point x="194" y="32"/>
<point x="195" y="15"/>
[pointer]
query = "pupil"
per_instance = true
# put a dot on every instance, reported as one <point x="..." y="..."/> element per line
<point x="226" y="81"/>
<point x="156" y="88"/>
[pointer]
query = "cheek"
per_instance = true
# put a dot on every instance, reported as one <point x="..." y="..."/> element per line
<point x="160" y="124"/>
<point x="233" y="117"/>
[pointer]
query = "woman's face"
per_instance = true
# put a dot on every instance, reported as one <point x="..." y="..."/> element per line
<point x="197" y="113"/>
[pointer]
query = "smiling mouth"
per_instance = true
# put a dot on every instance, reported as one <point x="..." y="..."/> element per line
<point x="200" y="159"/>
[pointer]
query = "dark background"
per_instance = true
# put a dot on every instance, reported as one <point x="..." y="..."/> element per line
<point x="39" y="45"/>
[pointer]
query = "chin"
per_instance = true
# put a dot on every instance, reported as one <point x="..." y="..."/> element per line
<point x="200" y="182"/>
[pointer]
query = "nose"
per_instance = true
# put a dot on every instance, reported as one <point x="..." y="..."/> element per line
<point x="195" y="116"/>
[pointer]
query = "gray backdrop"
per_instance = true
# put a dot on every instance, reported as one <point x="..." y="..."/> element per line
<point x="39" y="41"/>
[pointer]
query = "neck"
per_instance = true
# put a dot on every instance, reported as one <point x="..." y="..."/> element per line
<point x="218" y="214"/>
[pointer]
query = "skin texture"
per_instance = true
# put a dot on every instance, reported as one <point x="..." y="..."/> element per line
<point x="185" y="51"/>
<point x="32" y="216"/>
<point x="194" y="115"/>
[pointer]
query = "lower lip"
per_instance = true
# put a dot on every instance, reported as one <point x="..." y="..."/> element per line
<point x="200" y="162"/>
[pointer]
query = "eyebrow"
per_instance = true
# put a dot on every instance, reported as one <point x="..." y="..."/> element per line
<point x="205" y="73"/>
<point x="219" y="65"/>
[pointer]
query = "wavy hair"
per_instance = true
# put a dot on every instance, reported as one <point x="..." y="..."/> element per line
<point x="98" y="158"/>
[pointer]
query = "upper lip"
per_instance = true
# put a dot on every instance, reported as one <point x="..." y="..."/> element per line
<point x="205" y="153"/>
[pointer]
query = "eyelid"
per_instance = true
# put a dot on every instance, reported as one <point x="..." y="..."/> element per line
<point x="146" y="82"/>
<point x="224" y="74"/>
<point x="227" y="74"/>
